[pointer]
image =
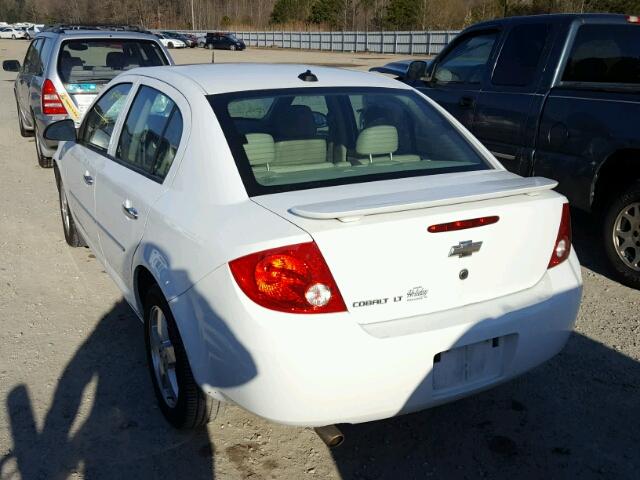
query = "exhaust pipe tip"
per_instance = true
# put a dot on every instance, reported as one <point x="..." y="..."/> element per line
<point x="330" y="435"/>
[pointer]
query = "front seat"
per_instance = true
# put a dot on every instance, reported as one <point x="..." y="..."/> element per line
<point x="377" y="145"/>
<point x="297" y="144"/>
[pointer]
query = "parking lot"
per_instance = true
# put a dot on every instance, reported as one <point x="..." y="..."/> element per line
<point x="76" y="400"/>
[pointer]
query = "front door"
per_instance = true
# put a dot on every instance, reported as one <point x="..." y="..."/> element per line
<point x="132" y="179"/>
<point x="457" y="76"/>
<point x="81" y="161"/>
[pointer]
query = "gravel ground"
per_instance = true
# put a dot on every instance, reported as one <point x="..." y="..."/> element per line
<point x="76" y="400"/>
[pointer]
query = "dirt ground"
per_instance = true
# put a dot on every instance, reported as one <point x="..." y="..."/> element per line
<point x="76" y="399"/>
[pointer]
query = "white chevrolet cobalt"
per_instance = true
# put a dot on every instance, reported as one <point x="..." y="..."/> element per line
<point x="316" y="245"/>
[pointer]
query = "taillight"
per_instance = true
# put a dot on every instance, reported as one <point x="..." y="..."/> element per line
<point x="562" y="247"/>
<point x="633" y="19"/>
<point x="51" y="103"/>
<point x="294" y="279"/>
<point x="463" y="224"/>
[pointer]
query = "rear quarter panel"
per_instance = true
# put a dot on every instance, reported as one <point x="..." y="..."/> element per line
<point x="579" y="131"/>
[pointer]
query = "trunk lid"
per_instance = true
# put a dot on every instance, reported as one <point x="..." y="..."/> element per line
<point x="386" y="263"/>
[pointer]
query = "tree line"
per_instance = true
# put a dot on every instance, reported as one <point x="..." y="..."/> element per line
<point x="296" y="14"/>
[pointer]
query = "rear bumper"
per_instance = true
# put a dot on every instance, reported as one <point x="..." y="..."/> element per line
<point x="323" y="369"/>
<point x="43" y="121"/>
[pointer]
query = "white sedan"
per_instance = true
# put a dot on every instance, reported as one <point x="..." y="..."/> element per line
<point x="170" y="42"/>
<point x="319" y="247"/>
<point x="12" y="33"/>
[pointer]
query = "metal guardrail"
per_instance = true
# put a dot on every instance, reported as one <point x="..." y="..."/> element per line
<point x="410" y="43"/>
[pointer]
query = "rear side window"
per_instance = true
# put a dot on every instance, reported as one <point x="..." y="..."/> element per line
<point x="100" y="120"/>
<point x="605" y="54"/>
<point x="89" y="61"/>
<point x="151" y="134"/>
<point x="32" y="64"/>
<point x="465" y="63"/>
<point x="520" y="57"/>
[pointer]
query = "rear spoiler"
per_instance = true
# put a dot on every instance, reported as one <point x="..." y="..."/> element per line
<point x="351" y="209"/>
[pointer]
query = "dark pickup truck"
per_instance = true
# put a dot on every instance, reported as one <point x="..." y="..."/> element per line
<point x="555" y="96"/>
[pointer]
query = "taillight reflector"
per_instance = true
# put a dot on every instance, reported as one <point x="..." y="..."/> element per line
<point x="293" y="279"/>
<point x="51" y="103"/>
<point x="463" y="224"/>
<point x="562" y="247"/>
<point x="633" y="19"/>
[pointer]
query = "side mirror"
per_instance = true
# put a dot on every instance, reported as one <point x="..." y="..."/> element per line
<point x="11" y="66"/>
<point x="62" y="131"/>
<point x="320" y="119"/>
<point x="416" y="70"/>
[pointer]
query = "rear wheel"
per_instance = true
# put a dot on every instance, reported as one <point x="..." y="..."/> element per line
<point x="210" y="46"/>
<point x="13" y="37"/>
<point x="71" y="234"/>
<point x="43" y="161"/>
<point x="181" y="400"/>
<point x="170" y="45"/>
<point x="622" y="235"/>
<point x="232" y="47"/>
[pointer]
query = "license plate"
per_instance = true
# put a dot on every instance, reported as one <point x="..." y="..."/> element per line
<point x="480" y="362"/>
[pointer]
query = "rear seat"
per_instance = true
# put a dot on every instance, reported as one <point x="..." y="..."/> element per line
<point x="378" y="144"/>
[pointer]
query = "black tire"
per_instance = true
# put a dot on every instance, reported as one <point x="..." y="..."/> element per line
<point x="23" y="131"/>
<point x="232" y="48"/>
<point x="13" y="37"/>
<point x="71" y="234"/>
<point x="193" y="408"/>
<point x="43" y="161"/>
<point x="628" y="201"/>
<point x="210" y="46"/>
<point x="170" y="45"/>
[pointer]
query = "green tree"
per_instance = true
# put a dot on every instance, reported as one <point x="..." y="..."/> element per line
<point x="402" y="15"/>
<point x="327" y="12"/>
<point x="290" y="11"/>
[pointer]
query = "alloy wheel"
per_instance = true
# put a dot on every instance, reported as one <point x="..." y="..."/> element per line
<point x="626" y="235"/>
<point x="163" y="357"/>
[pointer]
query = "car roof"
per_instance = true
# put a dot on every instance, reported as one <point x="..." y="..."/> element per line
<point x="87" y="34"/>
<point x="235" y="77"/>
<point x="551" y="18"/>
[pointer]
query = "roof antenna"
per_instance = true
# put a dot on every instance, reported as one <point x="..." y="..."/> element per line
<point x="308" y="77"/>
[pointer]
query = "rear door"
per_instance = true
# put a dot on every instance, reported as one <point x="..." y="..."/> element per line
<point x="509" y="105"/>
<point x="134" y="177"/>
<point x="82" y="160"/>
<point x="30" y="67"/>
<point x="458" y="74"/>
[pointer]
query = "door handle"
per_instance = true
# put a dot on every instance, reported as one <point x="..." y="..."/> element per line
<point x="129" y="210"/>
<point x="467" y="102"/>
<point x="88" y="179"/>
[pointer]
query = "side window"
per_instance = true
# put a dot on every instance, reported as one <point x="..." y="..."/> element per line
<point x="151" y="133"/>
<point x="31" y="59"/>
<point x="44" y="52"/>
<point x="465" y="63"/>
<point x="520" y="56"/>
<point x="605" y="54"/>
<point x="100" y="120"/>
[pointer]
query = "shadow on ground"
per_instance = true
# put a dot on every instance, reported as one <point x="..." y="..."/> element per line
<point x="577" y="416"/>
<point x="122" y="435"/>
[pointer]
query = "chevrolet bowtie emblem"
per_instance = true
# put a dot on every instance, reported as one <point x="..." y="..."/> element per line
<point x="465" y="249"/>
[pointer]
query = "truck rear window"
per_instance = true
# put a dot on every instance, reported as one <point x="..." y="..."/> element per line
<point x="293" y="139"/>
<point x="605" y="54"/>
<point x="98" y="61"/>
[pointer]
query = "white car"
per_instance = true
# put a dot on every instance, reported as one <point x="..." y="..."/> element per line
<point x="319" y="247"/>
<point x="170" y="42"/>
<point x="12" y="33"/>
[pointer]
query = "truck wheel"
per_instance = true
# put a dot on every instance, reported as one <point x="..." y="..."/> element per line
<point x="181" y="400"/>
<point x="622" y="235"/>
<point x="71" y="234"/>
<point x="43" y="161"/>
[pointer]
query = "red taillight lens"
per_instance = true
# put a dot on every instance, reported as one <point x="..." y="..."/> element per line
<point x="51" y="103"/>
<point x="562" y="248"/>
<point x="463" y="224"/>
<point x="633" y="19"/>
<point x="294" y="279"/>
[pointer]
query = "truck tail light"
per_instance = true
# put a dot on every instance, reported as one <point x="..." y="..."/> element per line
<point x="633" y="19"/>
<point x="293" y="279"/>
<point x="51" y="103"/>
<point x="562" y="247"/>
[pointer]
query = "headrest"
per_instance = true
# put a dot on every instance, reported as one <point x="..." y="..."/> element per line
<point x="296" y="123"/>
<point x="115" y="60"/>
<point x="378" y="140"/>
<point x="259" y="148"/>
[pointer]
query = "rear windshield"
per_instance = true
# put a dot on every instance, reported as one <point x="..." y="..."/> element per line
<point x="312" y="137"/>
<point x="98" y="61"/>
